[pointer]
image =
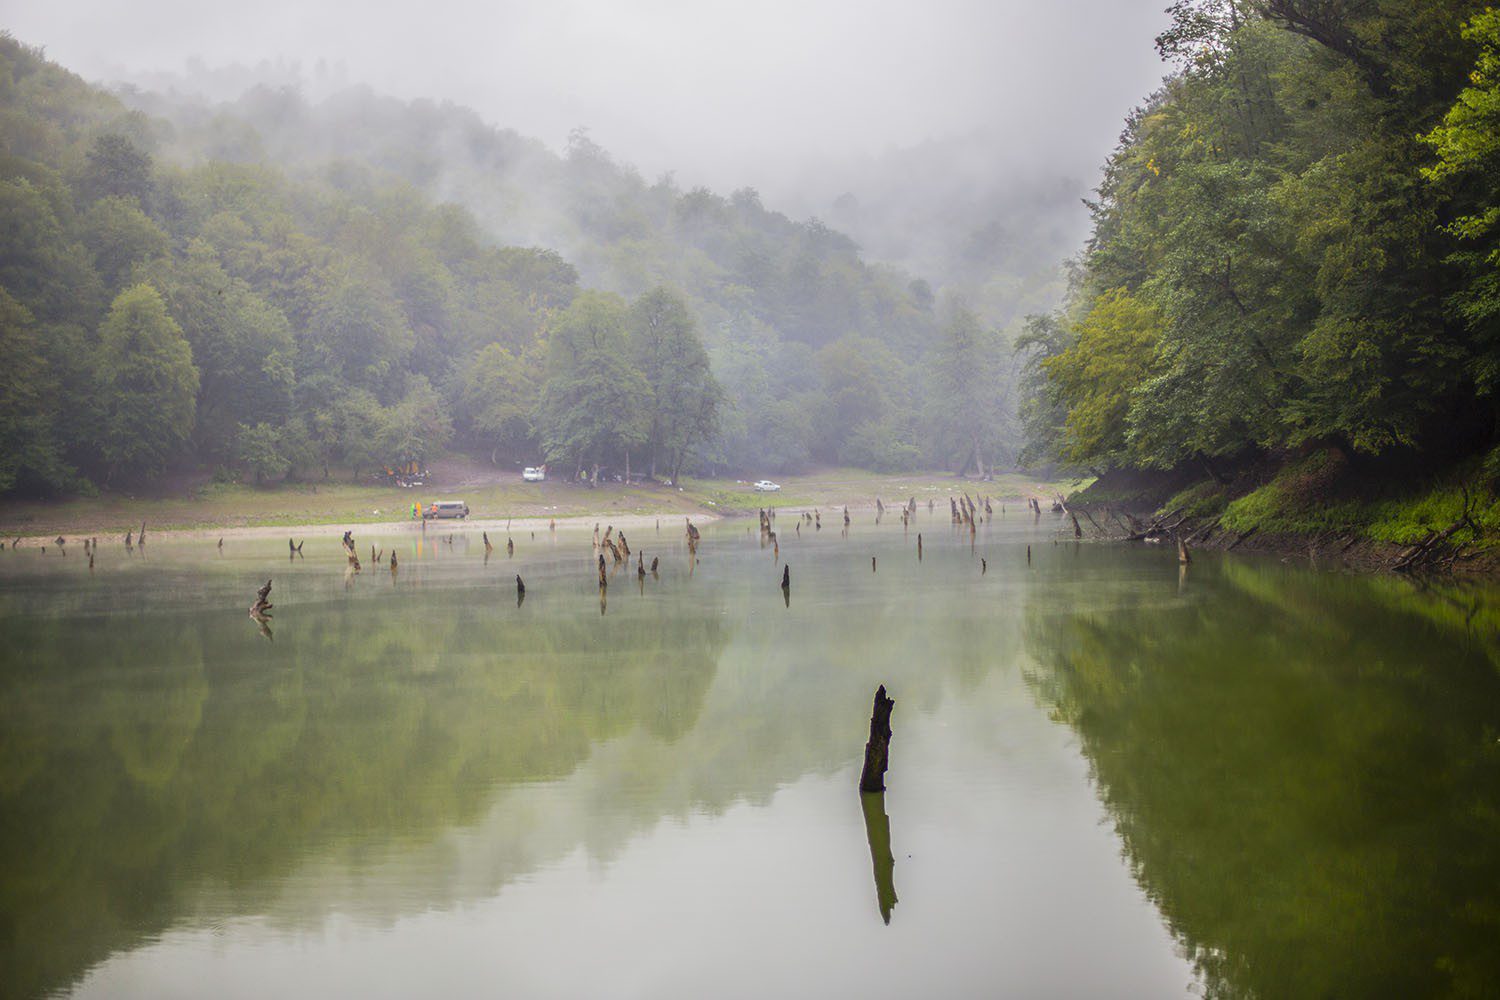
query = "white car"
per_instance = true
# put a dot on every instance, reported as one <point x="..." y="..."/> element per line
<point x="532" y="475"/>
<point x="766" y="486"/>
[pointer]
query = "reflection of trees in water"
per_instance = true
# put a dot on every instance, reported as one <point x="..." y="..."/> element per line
<point x="143" y="758"/>
<point x="160" y="765"/>
<point x="1304" y="773"/>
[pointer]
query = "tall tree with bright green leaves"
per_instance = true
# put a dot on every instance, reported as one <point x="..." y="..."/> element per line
<point x="147" y="385"/>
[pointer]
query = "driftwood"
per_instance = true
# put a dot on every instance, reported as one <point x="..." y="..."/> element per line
<point x="786" y="578"/>
<point x="1182" y="551"/>
<point x="872" y="564"/>
<point x="919" y="546"/>
<point x="510" y="548"/>
<point x="655" y="560"/>
<point x="878" y="748"/>
<point x="262" y="606"/>
<point x="603" y="577"/>
<point x="1243" y="535"/>
<point x="1077" y="531"/>
<point x="1158" y="527"/>
<point x="984" y="566"/>
<point x="1418" y="553"/>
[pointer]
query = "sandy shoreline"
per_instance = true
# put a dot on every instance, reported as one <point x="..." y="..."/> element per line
<point x="497" y="527"/>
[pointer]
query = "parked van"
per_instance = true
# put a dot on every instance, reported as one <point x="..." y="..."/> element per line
<point x="446" y="508"/>
<point x="534" y="475"/>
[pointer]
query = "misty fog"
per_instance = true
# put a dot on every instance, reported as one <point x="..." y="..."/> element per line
<point x="922" y="113"/>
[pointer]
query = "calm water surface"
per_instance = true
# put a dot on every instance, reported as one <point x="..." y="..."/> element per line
<point x="1108" y="778"/>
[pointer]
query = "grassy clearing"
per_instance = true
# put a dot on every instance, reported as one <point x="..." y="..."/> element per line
<point x="218" y="505"/>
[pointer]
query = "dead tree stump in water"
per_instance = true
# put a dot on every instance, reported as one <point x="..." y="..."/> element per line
<point x="878" y="749"/>
<point x="262" y="604"/>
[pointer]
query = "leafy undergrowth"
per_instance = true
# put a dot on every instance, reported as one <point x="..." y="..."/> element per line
<point x="1318" y="494"/>
<point x="1205" y="499"/>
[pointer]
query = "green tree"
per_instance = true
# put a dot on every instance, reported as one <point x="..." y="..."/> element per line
<point x="259" y="449"/>
<point x="357" y="329"/>
<point x="497" y="396"/>
<point x="595" y="404"/>
<point x="684" y="397"/>
<point x="1467" y="145"/>
<point x="242" y="346"/>
<point x="1110" y="356"/>
<point x="120" y="235"/>
<point x="116" y="167"/>
<point x="29" y="450"/>
<point x="967" y="404"/>
<point x="147" y="384"/>
<point x="417" y="427"/>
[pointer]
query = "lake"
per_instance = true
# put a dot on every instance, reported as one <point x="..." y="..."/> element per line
<point x="1109" y="776"/>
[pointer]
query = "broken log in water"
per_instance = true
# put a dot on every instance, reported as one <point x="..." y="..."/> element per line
<point x="1182" y="551"/>
<point x="262" y="606"/>
<point x="878" y="748"/>
<point x="603" y="577"/>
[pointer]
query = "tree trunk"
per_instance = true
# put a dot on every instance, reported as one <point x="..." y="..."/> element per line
<point x="878" y="749"/>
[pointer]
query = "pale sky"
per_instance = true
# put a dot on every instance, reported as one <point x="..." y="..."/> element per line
<point x="726" y="93"/>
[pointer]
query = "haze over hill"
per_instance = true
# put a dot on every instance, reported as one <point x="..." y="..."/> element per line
<point x="960" y="130"/>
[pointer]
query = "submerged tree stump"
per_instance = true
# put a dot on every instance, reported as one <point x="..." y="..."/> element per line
<point x="262" y="605"/>
<point x="878" y="749"/>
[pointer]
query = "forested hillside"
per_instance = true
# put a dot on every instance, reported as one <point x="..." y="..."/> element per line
<point x="274" y="290"/>
<point x="1294" y="249"/>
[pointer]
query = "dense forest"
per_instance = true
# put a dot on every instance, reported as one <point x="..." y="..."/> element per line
<point x="1294" y="250"/>
<point x="274" y="289"/>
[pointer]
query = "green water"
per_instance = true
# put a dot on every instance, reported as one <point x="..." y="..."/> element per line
<point x="1109" y="778"/>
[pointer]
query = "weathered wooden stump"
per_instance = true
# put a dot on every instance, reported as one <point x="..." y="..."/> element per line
<point x="262" y="606"/>
<point x="878" y="749"/>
